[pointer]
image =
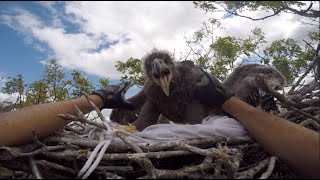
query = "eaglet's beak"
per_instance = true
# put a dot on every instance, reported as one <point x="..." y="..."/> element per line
<point x="162" y="72"/>
<point x="165" y="84"/>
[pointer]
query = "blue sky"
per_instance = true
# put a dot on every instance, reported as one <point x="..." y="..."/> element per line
<point x="92" y="36"/>
<point x="20" y="54"/>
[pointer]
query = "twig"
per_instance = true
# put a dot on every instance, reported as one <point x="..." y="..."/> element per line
<point x="180" y="174"/>
<point x="34" y="168"/>
<point x="303" y="13"/>
<point x="16" y="165"/>
<point x="79" y="112"/>
<point x="206" y="164"/>
<point x="310" y="46"/>
<point x="293" y="115"/>
<point x="35" y="139"/>
<point x="306" y="89"/>
<point x="260" y="80"/>
<point x="199" y="151"/>
<point x="304" y="74"/>
<point x="219" y="153"/>
<point x="82" y="154"/>
<point x="254" y="19"/>
<point x="248" y="174"/>
<point x="201" y="142"/>
<point x="110" y="175"/>
<point x="315" y="124"/>
<point x="98" y="112"/>
<point x="80" y="119"/>
<point x="48" y="165"/>
<point x="304" y="113"/>
<point x="235" y="156"/>
<point x="115" y="168"/>
<point x="74" y="130"/>
<point x="145" y="163"/>
<point x="196" y="171"/>
<point x="187" y="55"/>
<point x="42" y="150"/>
<point x="217" y="167"/>
<point x="79" y="124"/>
<point x="271" y="164"/>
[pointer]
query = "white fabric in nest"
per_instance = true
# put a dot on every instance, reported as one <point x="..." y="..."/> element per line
<point x="211" y="126"/>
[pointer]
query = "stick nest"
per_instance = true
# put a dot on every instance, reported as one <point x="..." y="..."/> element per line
<point x="64" y="153"/>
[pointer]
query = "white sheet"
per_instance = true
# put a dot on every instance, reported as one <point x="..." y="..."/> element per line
<point x="211" y="126"/>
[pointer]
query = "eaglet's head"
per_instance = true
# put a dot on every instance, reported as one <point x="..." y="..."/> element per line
<point x="159" y="67"/>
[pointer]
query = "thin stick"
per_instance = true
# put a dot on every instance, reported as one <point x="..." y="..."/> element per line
<point x="47" y="164"/>
<point x="34" y="168"/>
<point x="145" y="163"/>
<point x="35" y="139"/>
<point x="42" y="150"/>
<point x="83" y="120"/>
<point x="271" y="164"/>
<point x="304" y="74"/>
<point x="73" y="130"/>
<point x="98" y="112"/>
<point x="312" y="122"/>
<point x="248" y="174"/>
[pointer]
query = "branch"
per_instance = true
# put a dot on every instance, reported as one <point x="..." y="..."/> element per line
<point x="308" y="88"/>
<point x="222" y="154"/>
<point x="304" y="113"/>
<point x="201" y="142"/>
<point x="310" y="46"/>
<point x="317" y="58"/>
<point x="291" y="105"/>
<point x="191" y="172"/>
<point x="35" y="139"/>
<point x="254" y="19"/>
<point x="110" y="175"/>
<point x="271" y="164"/>
<point x="115" y="168"/>
<point x="98" y="112"/>
<point x="187" y="55"/>
<point x="248" y="174"/>
<point x="315" y="13"/>
<point x="34" y="168"/>
<point x="145" y="163"/>
<point x="11" y="153"/>
<point x="74" y="130"/>
<point x="82" y="154"/>
<point x="315" y="124"/>
<point x="42" y="150"/>
<point x="49" y="165"/>
<point x="81" y="119"/>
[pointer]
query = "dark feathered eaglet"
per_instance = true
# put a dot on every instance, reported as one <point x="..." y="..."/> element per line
<point x="169" y="89"/>
<point x="242" y="82"/>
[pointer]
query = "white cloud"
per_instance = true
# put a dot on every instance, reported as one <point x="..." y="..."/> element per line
<point x="9" y="98"/>
<point x="4" y="97"/>
<point x="147" y="25"/>
<point x="136" y="26"/>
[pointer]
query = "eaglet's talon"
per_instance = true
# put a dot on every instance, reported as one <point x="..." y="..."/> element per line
<point x="130" y="129"/>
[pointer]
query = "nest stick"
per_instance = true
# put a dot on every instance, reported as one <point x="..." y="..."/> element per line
<point x="271" y="164"/>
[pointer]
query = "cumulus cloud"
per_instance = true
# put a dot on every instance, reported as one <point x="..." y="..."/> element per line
<point x="111" y="31"/>
<point x="8" y="98"/>
<point x="136" y="27"/>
